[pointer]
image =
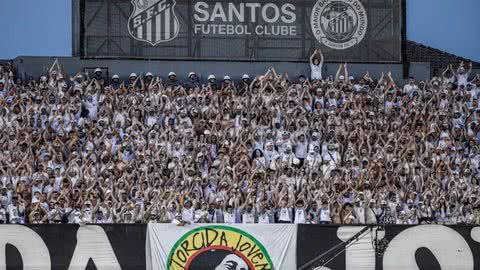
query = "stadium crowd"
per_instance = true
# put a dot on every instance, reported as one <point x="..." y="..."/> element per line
<point x="265" y="149"/>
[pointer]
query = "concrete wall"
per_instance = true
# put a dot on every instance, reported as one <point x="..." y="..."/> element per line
<point x="36" y="66"/>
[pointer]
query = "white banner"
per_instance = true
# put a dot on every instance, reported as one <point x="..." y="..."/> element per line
<point x="221" y="247"/>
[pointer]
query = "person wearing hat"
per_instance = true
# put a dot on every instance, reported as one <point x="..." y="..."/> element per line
<point x="98" y="74"/>
<point x="243" y="86"/>
<point x="212" y="82"/>
<point x="133" y="80"/>
<point x="172" y="80"/>
<point x="148" y="77"/>
<point x="192" y="81"/>
<point x="115" y="85"/>
<point x="148" y="80"/>
<point x="227" y="81"/>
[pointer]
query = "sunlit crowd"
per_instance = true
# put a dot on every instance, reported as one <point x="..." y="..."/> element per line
<point x="150" y="148"/>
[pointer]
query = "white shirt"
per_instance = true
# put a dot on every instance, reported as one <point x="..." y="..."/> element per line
<point x="409" y="88"/>
<point x="87" y="215"/>
<point x="228" y="218"/>
<point x="188" y="215"/>
<point x="248" y="218"/>
<point x="92" y="106"/>
<point x="325" y="215"/>
<point x="462" y="79"/>
<point x="300" y="216"/>
<point x="263" y="219"/>
<point x="14" y="213"/>
<point x="359" y="214"/>
<point x="285" y="215"/>
<point x="316" y="71"/>
<point x="301" y="149"/>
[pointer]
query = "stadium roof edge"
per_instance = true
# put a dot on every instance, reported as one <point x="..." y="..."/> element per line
<point x="417" y="52"/>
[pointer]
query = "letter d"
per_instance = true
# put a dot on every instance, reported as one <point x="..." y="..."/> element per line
<point x="30" y="245"/>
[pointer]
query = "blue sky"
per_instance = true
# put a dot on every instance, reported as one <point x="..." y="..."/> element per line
<point x="43" y="27"/>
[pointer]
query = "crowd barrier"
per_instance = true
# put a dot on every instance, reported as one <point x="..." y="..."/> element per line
<point x="253" y="247"/>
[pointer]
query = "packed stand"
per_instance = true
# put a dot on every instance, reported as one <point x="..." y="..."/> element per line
<point x="266" y="149"/>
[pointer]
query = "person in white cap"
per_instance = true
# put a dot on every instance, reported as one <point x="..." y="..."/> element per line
<point x="132" y="79"/>
<point x="212" y="82"/>
<point x="243" y="85"/>
<point x="192" y="81"/>
<point x="98" y="74"/>
<point x="148" y="78"/>
<point x="227" y="81"/>
<point x="172" y="80"/>
<point x="115" y="82"/>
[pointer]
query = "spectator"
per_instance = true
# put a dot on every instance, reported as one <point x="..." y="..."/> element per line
<point x="262" y="150"/>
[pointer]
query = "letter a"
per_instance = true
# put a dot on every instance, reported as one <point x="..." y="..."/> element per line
<point x="93" y="243"/>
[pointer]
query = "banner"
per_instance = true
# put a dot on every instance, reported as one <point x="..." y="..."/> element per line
<point x="72" y="247"/>
<point x="389" y="247"/>
<point x="218" y="247"/>
<point x="247" y="247"/>
<point x="260" y="30"/>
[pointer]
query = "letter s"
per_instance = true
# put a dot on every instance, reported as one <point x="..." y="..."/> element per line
<point x="289" y="15"/>
<point x="199" y="11"/>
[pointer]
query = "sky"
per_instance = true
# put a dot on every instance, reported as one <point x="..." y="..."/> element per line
<point x="44" y="28"/>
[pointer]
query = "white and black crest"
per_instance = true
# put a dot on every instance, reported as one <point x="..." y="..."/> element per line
<point x="153" y="21"/>
<point x="339" y="24"/>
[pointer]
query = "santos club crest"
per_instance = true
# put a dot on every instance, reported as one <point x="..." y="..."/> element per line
<point x="339" y="24"/>
<point x="153" y="21"/>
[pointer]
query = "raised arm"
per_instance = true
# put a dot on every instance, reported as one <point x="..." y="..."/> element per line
<point x="321" y="56"/>
<point x="337" y="75"/>
<point x="346" y="73"/>
<point x="470" y="66"/>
